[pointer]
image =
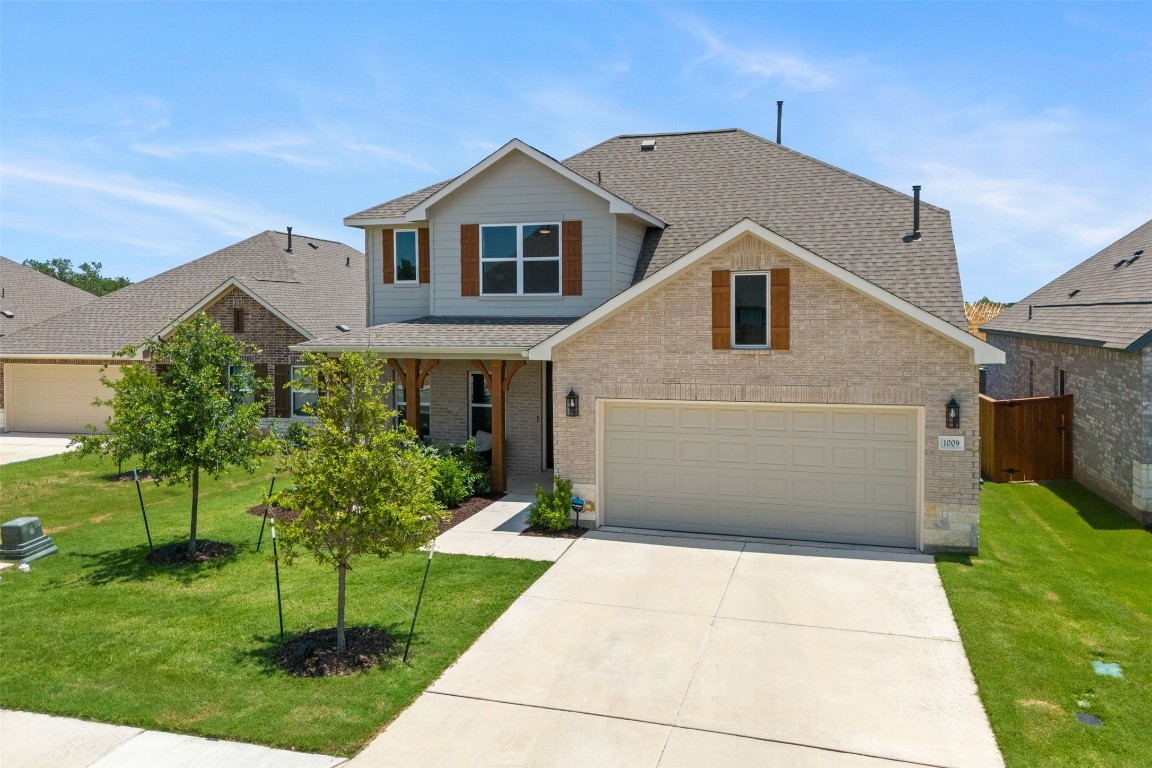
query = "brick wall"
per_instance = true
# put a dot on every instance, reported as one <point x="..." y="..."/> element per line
<point x="1111" y="408"/>
<point x="845" y="348"/>
<point x="271" y="335"/>
<point x="448" y="383"/>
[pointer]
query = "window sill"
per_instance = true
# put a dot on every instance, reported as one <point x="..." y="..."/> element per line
<point x="520" y="296"/>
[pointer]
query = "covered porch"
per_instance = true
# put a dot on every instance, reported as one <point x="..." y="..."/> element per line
<point x="456" y="377"/>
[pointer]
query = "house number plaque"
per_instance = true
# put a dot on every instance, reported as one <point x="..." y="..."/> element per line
<point x="950" y="442"/>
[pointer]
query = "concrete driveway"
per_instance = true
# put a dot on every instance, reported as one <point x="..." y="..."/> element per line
<point x="21" y="446"/>
<point x="648" y="650"/>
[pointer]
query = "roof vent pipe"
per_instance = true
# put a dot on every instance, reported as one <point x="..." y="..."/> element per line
<point x="289" y="239"/>
<point x="779" y="119"/>
<point x="915" y="236"/>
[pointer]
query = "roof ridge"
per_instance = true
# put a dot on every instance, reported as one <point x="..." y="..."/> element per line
<point x="674" y="133"/>
<point x="307" y="237"/>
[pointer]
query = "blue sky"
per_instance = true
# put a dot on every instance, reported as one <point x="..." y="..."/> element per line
<point x="143" y="135"/>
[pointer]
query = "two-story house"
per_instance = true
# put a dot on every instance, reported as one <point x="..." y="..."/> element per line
<point x="704" y="331"/>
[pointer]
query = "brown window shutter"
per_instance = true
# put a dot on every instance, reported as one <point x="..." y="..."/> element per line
<point x="780" y="311"/>
<point x="282" y="396"/>
<point x="721" y="309"/>
<point x="388" y="257"/>
<point x="469" y="259"/>
<point x="424" y="256"/>
<point x="161" y="369"/>
<point x="572" y="258"/>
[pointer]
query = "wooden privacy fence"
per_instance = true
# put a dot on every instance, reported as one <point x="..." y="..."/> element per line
<point x="1026" y="439"/>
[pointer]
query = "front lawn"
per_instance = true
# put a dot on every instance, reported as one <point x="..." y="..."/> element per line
<point x="1063" y="579"/>
<point x="94" y="632"/>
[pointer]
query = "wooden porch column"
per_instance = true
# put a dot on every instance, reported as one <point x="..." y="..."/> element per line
<point x="498" y="377"/>
<point x="413" y="375"/>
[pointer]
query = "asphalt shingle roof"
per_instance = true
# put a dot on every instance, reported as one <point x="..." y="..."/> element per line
<point x="317" y="286"/>
<point x="32" y="296"/>
<point x="1111" y="307"/>
<point x="517" y="333"/>
<point x="702" y="183"/>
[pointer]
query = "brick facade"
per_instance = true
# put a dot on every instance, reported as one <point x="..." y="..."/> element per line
<point x="524" y="412"/>
<point x="1111" y="410"/>
<point x="845" y="349"/>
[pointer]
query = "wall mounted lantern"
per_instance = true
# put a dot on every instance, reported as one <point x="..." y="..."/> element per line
<point x="952" y="414"/>
<point x="572" y="403"/>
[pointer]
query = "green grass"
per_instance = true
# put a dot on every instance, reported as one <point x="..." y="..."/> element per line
<point x="94" y="632"/>
<point x="1063" y="578"/>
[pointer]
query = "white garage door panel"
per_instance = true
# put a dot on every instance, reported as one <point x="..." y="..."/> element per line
<point x="826" y="474"/>
<point x="54" y="398"/>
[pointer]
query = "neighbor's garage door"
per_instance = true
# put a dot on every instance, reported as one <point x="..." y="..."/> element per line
<point x="53" y="398"/>
<point x="813" y="472"/>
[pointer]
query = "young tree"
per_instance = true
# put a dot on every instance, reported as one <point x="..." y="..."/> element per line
<point x="88" y="278"/>
<point x="363" y="485"/>
<point x="190" y="418"/>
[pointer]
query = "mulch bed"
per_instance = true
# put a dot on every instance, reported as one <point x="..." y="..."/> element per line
<point x="176" y="553"/>
<point x="127" y="477"/>
<point x="313" y="654"/>
<point x="279" y="514"/>
<point x="571" y="532"/>
<point x="467" y="508"/>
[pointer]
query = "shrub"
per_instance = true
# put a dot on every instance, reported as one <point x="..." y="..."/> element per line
<point x="453" y="483"/>
<point x="461" y="472"/>
<point x="553" y="509"/>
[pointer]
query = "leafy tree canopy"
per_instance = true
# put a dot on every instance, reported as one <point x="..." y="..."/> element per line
<point x="192" y="416"/>
<point x="363" y="485"/>
<point x="86" y="277"/>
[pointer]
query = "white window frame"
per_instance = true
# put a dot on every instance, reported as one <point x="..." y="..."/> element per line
<point x="471" y="404"/>
<point x="399" y="397"/>
<point x="767" y="309"/>
<point x="294" y="392"/>
<point x="520" y="260"/>
<point x="396" y="256"/>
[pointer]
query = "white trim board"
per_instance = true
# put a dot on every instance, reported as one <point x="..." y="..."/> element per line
<point x="982" y="352"/>
<point x="616" y="204"/>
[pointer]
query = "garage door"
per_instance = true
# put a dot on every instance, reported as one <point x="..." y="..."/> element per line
<point x="53" y="398"/>
<point x="817" y="473"/>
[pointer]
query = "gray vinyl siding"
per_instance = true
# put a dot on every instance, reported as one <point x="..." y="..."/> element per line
<point x="629" y="238"/>
<point x="389" y="303"/>
<point x="518" y="190"/>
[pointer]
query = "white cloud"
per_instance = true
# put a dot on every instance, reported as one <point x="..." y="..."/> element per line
<point x="273" y="147"/>
<point x="388" y="155"/>
<point x="755" y="67"/>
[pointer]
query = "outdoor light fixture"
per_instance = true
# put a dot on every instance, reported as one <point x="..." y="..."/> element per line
<point x="952" y="414"/>
<point x="572" y="403"/>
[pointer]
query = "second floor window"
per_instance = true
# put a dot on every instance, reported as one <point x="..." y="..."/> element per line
<point x="518" y="259"/>
<point x="405" y="251"/>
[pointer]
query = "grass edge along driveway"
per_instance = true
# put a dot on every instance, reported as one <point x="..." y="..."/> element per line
<point x="94" y="632"/>
<point x="1063" y="579"/>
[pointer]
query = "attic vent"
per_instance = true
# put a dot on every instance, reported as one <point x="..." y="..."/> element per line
<point x="1120" y="263"/>
<point x="1131" y="260"/>
<point x="7" y="314"/>
<point x="648" y="145"/>
<point x="313" y="245"/>
<point x="343" y="328"/>
<point x="1074" y="292"/>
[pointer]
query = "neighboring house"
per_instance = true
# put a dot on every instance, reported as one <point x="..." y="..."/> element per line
<point x="272" y="290"/>
<point x="980" y="312"/>
<point x="28" y="296"/>
<point x="1088" y="333"/>
<point x="754" y="343"/>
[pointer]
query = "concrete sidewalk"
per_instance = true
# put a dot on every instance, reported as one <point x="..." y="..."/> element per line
<point x="495" y="532"/>
<point x="22" y="446"/>
<point x="30" y="740"/>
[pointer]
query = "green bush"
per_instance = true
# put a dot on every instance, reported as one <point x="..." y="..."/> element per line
<point x="452" y="484"/>
<point x="553" y="509"/>
<point x="461" y="472"/>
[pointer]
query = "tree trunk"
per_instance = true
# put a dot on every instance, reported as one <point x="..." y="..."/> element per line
<point x="195" y="502"/>
<point x="342" y="568"/>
